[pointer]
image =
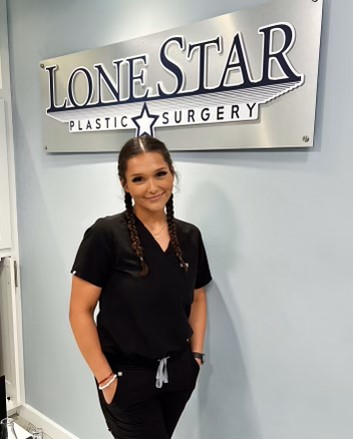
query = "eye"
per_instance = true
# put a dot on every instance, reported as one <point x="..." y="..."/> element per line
<point x="161" y="173"/>
<point x="137" y="179"/>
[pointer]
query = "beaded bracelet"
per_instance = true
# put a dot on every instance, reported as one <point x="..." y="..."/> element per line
<point x="109" y="382"/>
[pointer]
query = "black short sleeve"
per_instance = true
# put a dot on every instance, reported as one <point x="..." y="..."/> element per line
<point x="94" y="257"/>
<point x="203" y="270"/>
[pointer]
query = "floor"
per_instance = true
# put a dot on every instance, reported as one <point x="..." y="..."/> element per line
<point x="26" y="425"/>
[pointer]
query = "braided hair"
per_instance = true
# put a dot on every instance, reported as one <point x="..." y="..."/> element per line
<point x="134" y="236"/>
<point x="173" y="234"/>
<point x="132" y="148"/>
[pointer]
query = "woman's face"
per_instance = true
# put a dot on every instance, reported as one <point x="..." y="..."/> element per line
<point x="149" y="181"/>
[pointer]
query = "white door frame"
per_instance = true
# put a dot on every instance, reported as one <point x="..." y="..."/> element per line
<point x="9" y="250"/>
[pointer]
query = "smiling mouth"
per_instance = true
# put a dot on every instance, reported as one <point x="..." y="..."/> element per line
<point x="154" y="197"/>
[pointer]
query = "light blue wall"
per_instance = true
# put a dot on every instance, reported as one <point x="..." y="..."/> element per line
<point x="277" y="225"/>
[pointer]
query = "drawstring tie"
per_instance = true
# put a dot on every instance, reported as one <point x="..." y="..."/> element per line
<point x="162" y="373"/>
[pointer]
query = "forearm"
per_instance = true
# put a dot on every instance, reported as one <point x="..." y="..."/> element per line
<point x="197" y="320"/>
<point x="86" y="335"/>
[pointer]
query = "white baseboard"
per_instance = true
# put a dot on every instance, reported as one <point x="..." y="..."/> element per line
<point x="50" y="427"/>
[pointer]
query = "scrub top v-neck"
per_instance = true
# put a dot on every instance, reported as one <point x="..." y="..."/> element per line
<point x="141" y="316"/>
<point x="142" y="226"/>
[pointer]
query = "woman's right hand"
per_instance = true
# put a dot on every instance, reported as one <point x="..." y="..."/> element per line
<point x="109" y="392"/>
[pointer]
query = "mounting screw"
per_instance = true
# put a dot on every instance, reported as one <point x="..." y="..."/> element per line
<point x="314" y="1"/>
<point x="306" y="138"/>
<point x="45" y="147"/>
<point x="41" y="66"/>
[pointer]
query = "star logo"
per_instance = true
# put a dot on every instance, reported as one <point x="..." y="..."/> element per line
<point x="145" y="122"/>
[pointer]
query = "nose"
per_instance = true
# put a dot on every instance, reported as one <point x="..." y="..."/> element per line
<point x="152" y="187"/>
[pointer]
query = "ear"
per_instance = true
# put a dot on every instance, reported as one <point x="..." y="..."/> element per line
<point x="124" y="186"/>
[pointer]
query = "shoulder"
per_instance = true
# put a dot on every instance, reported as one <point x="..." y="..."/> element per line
<point x="187" y="228"/>
<point x="110" y="221"/>
<point x="108" y="225"/>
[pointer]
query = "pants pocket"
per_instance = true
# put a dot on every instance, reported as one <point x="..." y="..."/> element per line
<point x="120" y="380"/>
<point x="135" y="386"/>
<point x="195" y="367"/>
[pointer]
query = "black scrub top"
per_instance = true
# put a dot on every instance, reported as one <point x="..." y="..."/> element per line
<point x="141" y="316"/>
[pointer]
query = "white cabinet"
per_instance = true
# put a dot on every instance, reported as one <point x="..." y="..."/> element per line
<point x="8" y="330"/>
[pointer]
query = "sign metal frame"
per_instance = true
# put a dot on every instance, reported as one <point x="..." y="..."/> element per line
<point x="243" y="80"/>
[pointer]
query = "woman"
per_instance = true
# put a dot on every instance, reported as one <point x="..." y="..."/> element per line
<point x="148" y="271"/>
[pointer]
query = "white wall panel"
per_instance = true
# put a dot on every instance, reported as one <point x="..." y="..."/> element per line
<point x="5" y="210"/>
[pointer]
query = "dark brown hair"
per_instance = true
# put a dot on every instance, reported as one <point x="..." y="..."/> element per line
<point x="132" y="148"/>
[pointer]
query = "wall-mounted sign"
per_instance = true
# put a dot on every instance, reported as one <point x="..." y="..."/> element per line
<point x="242" y="80"/>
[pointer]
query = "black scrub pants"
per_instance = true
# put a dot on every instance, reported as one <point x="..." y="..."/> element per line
<point x="140" y="410"/>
